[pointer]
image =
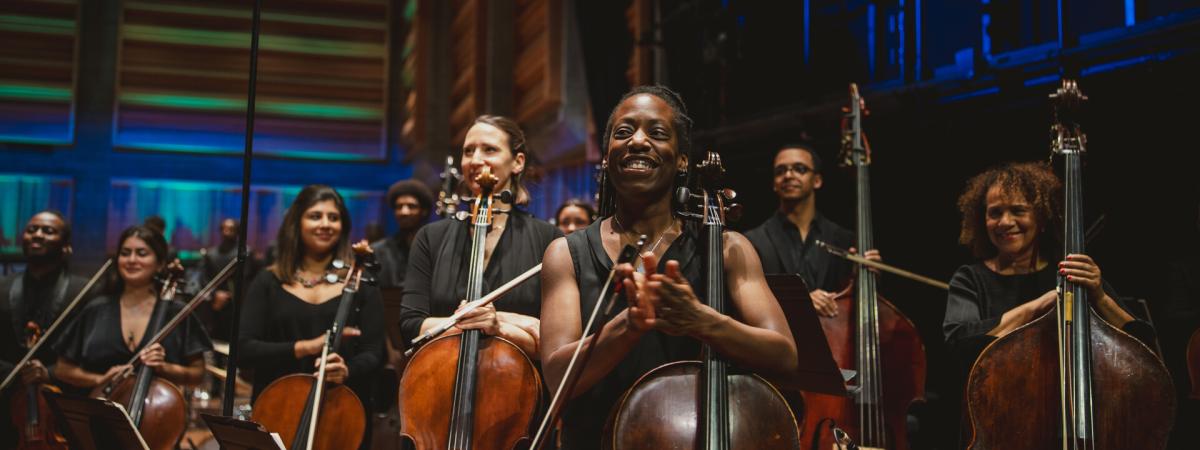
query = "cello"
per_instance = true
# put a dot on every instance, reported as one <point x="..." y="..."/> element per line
<point x="37" y="428"/>
<point x="156" y="406"/>
<point x="1193" y="364"/>
<point x="305" y="412"/>
<point x="875" y="339"/>
<point x="704" y="404"/>
<point x="443" y="405"/>
<point x="1069" y="380"/>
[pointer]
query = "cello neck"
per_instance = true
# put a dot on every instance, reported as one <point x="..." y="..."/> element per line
<point x="462" y="419"/>
<point x="1074" y="326"/>
<point x="145" y="375"/>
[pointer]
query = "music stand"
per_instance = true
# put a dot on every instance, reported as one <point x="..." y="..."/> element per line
<point x="816" y="369"/>
<point x="95" y="424"/>
<point x="237" y="434"/>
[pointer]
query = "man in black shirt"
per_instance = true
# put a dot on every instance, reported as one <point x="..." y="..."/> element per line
<point x="786" y="242"/>
<point x="411" y="202"/>
<point x="37" y="297"/>
<point x="215" y="316"/>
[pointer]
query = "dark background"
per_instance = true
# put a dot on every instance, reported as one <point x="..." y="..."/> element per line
<point x="741" y="67"/>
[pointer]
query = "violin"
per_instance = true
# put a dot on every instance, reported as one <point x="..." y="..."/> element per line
<point x="443" y="404"/>
<point x="1069" y="380"/>
<point x="156" y="406"/>
<point x="36" y="426"/>
<point x="306" y="412"/>
<point x="704" y="404"/>
<point x="874" y="338"/>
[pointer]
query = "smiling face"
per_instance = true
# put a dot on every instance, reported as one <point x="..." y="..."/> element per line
<point x="795" y="179"/>
<point x="321" y="228"/>
<point x="486" y="145"/>
<point x="42" y="239"/>
<point x="643" y="154"/>
<point x="1011" y="223"/>
<point x="137" y="262"/>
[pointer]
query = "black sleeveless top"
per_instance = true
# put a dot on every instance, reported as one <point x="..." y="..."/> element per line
<point x="584" y="417"/>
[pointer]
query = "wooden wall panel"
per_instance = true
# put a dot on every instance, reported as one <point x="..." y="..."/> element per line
<point x="468" y="54"/>
<point x="322" y="80"/>
<point x="37" y="70"/>
<point x="538" y="70"/>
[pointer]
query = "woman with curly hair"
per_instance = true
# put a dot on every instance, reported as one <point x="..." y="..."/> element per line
<point x="1011" y="221"/>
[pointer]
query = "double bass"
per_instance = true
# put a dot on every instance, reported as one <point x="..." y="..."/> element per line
<point x="156" y="406"/>
<point x="306" y="412"/>
<point x="873" y="338"/>
<point x="1069" y="380"/>
<point x="704" y="404"/>
<point x="465" y="391"/>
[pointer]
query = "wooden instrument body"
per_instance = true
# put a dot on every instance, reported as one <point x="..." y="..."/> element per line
<point x="505" y="406"/>
<point x="903" y="363"/>
<point x="1013" y="397"/>
<point x="663" y="409"/>
<point x="37" y="428"/>
<point x="282" y="403"/>
<point x="1193" y="363"/>
<point x="164" y="417"/>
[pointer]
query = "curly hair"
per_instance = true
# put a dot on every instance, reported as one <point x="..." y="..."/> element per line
<point x="1035" y="182"/>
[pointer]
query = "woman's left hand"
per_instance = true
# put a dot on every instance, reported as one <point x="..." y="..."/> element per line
<point x="1082" y="270"/>
<point x="336" y="370"/>
<point x="153" y="356"/>
<point x="482" y="318"/>
<point x="677" y="309"/>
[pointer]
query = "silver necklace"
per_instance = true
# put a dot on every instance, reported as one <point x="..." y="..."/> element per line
<point x="663" y="234"/>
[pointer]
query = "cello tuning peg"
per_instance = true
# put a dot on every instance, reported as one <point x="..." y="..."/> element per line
<point x="331" y="278"/>
<point x="728" y="194"/>
<point x="338" y="264"/>
<point x="734" y="213"/>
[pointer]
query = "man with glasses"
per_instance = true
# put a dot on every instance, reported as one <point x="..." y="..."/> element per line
<point x="786" y="242"/>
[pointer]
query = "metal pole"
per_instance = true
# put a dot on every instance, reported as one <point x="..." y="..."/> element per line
<point x="230" y="391"/>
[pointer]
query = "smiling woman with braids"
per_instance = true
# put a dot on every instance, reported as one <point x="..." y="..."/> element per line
<point x="647" y="142"/>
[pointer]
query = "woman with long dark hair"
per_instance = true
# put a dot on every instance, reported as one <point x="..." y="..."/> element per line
<point x="290" y="306"/>
<point x="112" y="328"/>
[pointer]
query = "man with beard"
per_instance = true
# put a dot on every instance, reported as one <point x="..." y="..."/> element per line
<point x="411" y="202"/>
<point x="786" y="242"/>
<point x="35" y="298"/>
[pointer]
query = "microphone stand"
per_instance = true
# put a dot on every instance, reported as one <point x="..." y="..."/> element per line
<point x="230" y="391"/>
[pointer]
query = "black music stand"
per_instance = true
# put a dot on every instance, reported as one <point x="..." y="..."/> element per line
<point x="95" y="424"/>
<point x="817" y="371"/>
<point x="237" y="434"/>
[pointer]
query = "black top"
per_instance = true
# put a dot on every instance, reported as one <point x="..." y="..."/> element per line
<point x="25" y="298"/>
<point x="93" y="339"/>
<point x="979" y="297"/>
<point x="392" y="255"/>
<point x="584" y="417"/>
<point x="214" y="259"/>
<point x="273" y="320"/>
<point x="781" y="250"/>
<point x="438" y="264"/>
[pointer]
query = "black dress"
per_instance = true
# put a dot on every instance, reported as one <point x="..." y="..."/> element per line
<point x="93" y="340"/>
<point x="436" y="279"/>
<point x="273" y="320"/>
<point x="584" y="417"/>
<point x="781" y="250"/>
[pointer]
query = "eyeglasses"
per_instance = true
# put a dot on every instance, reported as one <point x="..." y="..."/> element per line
<point x="799" y="168"/>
